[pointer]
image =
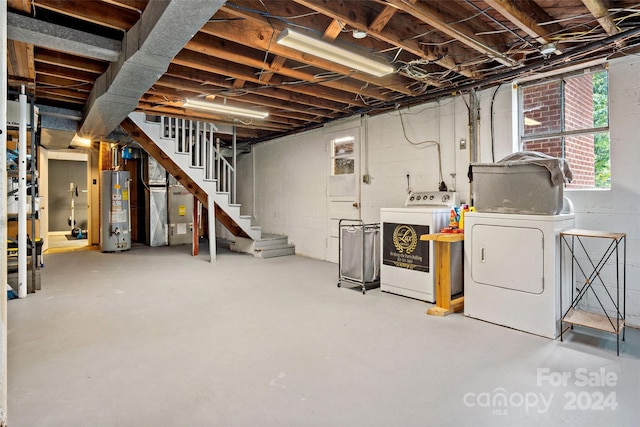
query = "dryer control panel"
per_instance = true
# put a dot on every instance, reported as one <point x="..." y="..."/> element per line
<point x="432" y="198"/>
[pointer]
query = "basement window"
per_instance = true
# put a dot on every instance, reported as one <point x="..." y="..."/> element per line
<point x="568" y="117"/>
<point x="343" y="156"/>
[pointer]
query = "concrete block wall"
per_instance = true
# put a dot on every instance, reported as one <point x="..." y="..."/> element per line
<point x="618" y="209"/>
<point x="289" y="189"/>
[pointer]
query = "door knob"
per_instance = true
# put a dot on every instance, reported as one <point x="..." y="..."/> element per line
<point x="355" y="205"/>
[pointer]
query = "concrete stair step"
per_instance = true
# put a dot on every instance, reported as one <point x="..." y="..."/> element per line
<point x="269" y="246"/>
<point x="275" y="251"/>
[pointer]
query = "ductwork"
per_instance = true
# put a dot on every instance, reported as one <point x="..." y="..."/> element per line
<point x="163" y="30"/>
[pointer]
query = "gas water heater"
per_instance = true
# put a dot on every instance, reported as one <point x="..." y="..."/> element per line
<point x="115" y="220"/>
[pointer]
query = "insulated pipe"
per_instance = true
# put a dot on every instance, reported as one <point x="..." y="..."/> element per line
<point x="22" y="197"/>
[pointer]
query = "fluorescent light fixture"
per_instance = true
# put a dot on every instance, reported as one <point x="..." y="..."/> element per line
<point x="223" y="108"/>
<point x="331" y="52"/>
<point x="80" y="142"/>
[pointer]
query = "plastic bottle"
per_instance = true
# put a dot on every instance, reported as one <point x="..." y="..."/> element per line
<point x="453" y="218"/>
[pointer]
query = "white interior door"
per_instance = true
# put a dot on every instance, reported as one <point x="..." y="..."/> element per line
<point x="343" y="184"/>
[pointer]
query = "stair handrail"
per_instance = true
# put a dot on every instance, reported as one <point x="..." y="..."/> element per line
<point x="198" y="139"/>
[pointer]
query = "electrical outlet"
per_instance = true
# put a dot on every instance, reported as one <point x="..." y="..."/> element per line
<point x="463" y="144"/>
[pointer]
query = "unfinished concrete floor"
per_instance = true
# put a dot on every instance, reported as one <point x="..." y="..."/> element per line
<point x="155" y="337"/>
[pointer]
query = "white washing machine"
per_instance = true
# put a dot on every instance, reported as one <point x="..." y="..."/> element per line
<point x="512" y="270"/>
<point x="408" y="267"/>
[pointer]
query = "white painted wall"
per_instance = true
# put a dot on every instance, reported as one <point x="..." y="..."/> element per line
<point x="290" y="190"/>
<point x="290" y="173"/>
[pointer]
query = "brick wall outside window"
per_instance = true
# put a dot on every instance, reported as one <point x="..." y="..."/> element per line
<point x="543" y="103"/>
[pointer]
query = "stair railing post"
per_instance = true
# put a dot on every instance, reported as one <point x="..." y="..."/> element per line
<point x="211" y="216"/>
<point x="218" y="164"/>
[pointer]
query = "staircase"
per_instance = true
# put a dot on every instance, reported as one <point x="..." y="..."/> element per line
<point x="188" y="150"/>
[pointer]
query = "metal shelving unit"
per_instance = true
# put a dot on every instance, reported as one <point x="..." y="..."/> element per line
<point x="606" y="321"/>
<point x="359" y="255"/>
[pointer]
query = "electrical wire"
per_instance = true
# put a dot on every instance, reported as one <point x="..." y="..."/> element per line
<point x="426" y="144"/>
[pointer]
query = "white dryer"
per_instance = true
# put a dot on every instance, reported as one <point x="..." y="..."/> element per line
<point x="408" y="266"/>
<point x="512" y="270"/>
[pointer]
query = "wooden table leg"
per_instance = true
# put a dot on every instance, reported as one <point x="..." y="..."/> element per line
<point x="444" y="305"/>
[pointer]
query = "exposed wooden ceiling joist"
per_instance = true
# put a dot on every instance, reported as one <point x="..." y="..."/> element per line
<point x="62" y="49"/>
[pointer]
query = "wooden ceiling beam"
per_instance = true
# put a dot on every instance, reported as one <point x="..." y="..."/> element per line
<point x="97" y="12"/>
<point x="68" y="73"/>
<point x="52" y="57"/>
<point x="163" y="96"/>
<point x="218" y="48"/>
<point x="382" y="19"/>
<point x="134" y="5"/>
<point x="20" y="61"/>
<point x="61" y="92"/>
<point x="210" y="116"/>
<point x="256" y="31"/>
<point x="61" y="82"/>
<point x="438" y="21"/>
<point x="21" y="5"/>
<point x="207" y="80"/>
<point x="391" y="34"/>
<point x="525" y="16"/>
<point x="600" y="10"/>
<point x="207" y="63"/>
<point x="167" y="94"/>
<point x="59" y="98"/>
<point x="284" y="100"/>
<point x="333" y="30"/>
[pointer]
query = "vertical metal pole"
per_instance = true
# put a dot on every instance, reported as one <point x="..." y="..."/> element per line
<point x="34" y="193"/>
<point x="196" y="226"/>
<point x="3" y="214"/>
<point x="233" y="182"/>
<point x="22" y="197"/>
<point x="211" y="214"/>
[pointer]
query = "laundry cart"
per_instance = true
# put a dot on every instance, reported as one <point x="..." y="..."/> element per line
<point x="359" y="257"/>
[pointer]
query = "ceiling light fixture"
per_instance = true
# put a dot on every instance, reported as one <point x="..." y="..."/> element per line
<point x="334" y="53"/>
<point x="223" y="108"/>
<point x="547" y="49"/>
<point x="359" y="34"/>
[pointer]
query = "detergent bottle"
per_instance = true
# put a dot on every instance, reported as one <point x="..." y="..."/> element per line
<point x="453" y="218"/>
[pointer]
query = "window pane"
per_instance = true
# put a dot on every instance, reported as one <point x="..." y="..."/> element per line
<point x="343" y="166"/>
<point x="550" y="146"/>
<point x="585" y="104"/>
<point x="542" y="107"/>
<point x="343" y="148"/>
<point x="588" y="157"/>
